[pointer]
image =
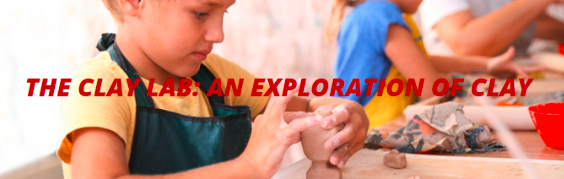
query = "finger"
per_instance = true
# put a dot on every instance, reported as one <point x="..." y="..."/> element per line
<point x="338" y="154"/>
<point x="277" y="106"/>
<point x="280" y="105"/>
<point x="344" y="159"/>
<point x="519" y="71"/>
<point x="298" y="125"/>
<point x="324" y="108"/>
<point x="342" y="151"/>
<point x="341" y="113"/>
<point x="290" y="116"/>
<point x="269" y="105"/>
<point x="508" y="55"/>
<point x="534" y="68"/>
<point x="501" y="60"/>
<point x="344" y="136"/>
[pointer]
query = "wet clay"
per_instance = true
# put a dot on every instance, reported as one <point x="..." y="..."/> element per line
<point x="395" y="159"/>
<point x="313" y="140"/>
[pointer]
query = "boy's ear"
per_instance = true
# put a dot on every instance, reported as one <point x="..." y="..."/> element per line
<point x="131" y="7"/>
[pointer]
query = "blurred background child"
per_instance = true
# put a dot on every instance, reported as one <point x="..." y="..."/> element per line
<point x="376" y="40"/>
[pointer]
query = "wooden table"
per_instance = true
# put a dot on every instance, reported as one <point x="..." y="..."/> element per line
<point x="368" y="164"/>
<point x="530" y="141"/>
<point x="531" y="144"/>
<point x="549" y="163"/>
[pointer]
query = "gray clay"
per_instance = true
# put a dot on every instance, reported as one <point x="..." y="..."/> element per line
<point x="395" y="159"/>
<point x="313" y="140"/>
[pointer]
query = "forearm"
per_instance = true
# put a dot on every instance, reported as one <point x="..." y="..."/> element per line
<point x="549" y="28"/>
<point x="492" y="33"/>
<point x="230" y="169"/>
<point x="459" y="64"/>
<point x="88" y="161"/>
<point x="410" y="61"/>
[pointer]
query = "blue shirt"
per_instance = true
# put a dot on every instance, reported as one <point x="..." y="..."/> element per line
<point x="361" y="44"/>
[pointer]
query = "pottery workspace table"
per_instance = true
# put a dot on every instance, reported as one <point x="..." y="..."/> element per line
<point x="530" y="141"/>
<point x="367" y="163"/>
<point x="549" y="163"/>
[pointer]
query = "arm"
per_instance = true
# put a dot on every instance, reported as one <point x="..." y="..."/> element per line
<point x="460" y="64"/>
<point x="410" y="60"/>
<point x="89" y="162"/>
<point x="270" y="138"/>
<point x="489" y="34"/>
<point x="549" y="28"/>
<point x="478" y="64"/>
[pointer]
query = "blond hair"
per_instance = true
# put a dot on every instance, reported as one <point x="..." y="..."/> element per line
<point x="114" y="8"/>
<point x="333" y="24"/>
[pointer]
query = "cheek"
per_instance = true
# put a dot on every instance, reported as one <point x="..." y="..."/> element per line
<point x="182" y="36"/>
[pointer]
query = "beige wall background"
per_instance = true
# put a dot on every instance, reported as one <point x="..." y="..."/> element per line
<point x="50" y="39"/>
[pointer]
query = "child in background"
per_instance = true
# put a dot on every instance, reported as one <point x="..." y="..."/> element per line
<point x="375" y="40"/>
<point x="194" y="136"/>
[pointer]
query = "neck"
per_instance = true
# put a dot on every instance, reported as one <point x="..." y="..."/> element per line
<point x="144" y="65"/>
<point x="355" y="3"/>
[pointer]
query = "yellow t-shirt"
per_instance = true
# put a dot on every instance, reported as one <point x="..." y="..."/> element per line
<point x="382" y="109"/>
<point x="117" y="113"/>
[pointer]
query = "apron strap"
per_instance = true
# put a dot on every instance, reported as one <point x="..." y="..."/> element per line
<point x="141" y="97"/>
<point x="204" y="75"/>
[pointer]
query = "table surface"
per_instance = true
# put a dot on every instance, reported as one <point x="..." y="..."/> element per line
<point x="367" y="164"/>
<point x="530" y="142"/>
<point x="549" y="163"/>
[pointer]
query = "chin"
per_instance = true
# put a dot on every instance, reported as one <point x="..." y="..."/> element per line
<point x="188" y="71"/>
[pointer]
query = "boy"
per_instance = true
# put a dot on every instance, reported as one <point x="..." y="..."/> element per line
<point x="185" y="136"/>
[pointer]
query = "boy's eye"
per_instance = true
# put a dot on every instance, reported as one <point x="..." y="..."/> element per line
<point x="200" y="15"/>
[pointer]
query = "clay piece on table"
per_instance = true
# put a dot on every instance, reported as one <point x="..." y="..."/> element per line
<point x="313" y="140"/>
<point x="395" y="159"/>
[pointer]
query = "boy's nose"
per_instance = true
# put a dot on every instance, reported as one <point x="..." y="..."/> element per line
<point x="215" y="34"/>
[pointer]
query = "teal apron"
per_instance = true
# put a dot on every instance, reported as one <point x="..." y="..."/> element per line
<point x="166" y="142"/>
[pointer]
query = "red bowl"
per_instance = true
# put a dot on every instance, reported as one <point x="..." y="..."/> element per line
<point x="549" y="122"/>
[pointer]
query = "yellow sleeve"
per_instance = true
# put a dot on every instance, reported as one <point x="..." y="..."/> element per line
<point x="225" y="69"/>
<point x="108" y="112"/>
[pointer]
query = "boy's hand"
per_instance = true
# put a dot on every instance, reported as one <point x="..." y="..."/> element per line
<point x="349" y="140"/>
<point x="273" y="132"/>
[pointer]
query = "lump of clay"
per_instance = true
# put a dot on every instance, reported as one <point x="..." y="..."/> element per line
<point x="313" y="140"/>
<point x="395" y="159"/>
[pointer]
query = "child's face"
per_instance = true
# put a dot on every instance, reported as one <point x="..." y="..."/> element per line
<point x="178" y="35"/>
<point x="409" y="6"/>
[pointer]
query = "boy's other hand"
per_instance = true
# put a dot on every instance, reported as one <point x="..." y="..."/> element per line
<point x="349" y="140"/>
<point x="273" y="132"/>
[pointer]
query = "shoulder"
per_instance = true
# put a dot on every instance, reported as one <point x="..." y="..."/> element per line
<point x="84" y="98"/>
<point x="223" y="68"/>
<point x="433" y="11"/>
<point x="113" y="112"/>
<point x="373" y="15"/>
<point x="100" y="66"/>
<point x="376" y="10"/>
